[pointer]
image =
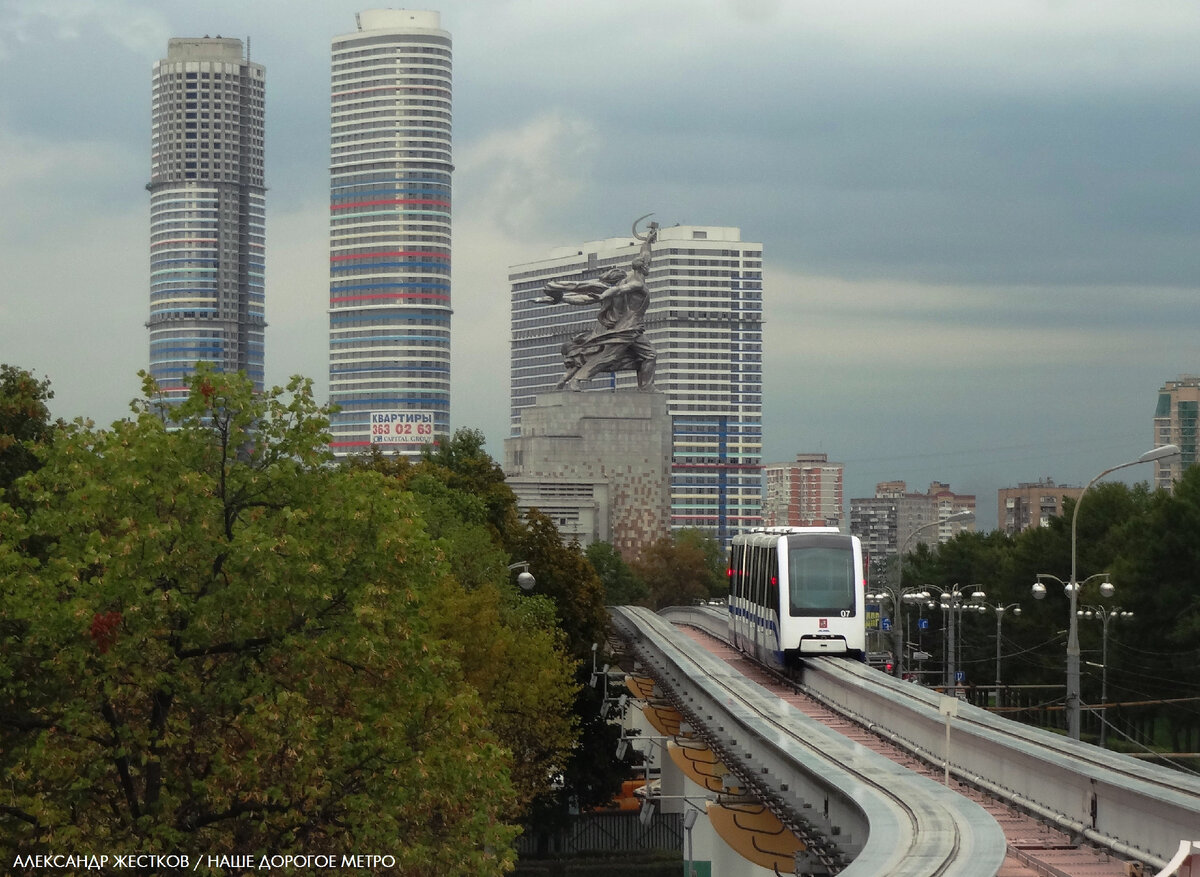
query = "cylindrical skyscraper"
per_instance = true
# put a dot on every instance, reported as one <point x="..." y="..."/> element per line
<point x="207" y="213"/>
<point x="389" y="232"/>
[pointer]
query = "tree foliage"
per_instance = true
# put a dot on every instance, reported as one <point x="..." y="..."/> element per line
<point x="1149" y="544"/>
<point x="465" y="466"/>
<point x="554" y="730"/>
<point x="230" y="644"/>
<point x="681" y="568"/>
<point x="622" y="587"/>
<point x="24" y="422"/>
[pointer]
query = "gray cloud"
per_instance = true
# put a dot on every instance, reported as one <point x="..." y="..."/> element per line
<point x="980" y="223"/>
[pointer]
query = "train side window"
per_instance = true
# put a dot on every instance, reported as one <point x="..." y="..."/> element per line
<point x="751" y="569"/>
<point x="764" y="577"/>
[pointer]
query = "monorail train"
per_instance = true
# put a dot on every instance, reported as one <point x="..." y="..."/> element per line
<point x="796" y="591"/>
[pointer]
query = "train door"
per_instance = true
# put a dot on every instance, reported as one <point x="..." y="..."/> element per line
<point x="746" y="615"/>
<point x="774" y="622"/>
<point x="736" y="601"/>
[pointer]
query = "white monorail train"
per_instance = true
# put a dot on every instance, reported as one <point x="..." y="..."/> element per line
<point x="796" y="591"/>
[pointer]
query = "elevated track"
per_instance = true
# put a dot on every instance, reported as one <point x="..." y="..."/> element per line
<point x="1097" y="812"/>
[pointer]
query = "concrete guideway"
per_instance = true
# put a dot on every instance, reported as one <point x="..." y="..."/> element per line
<point x="848" y="803"/>
<point x="1094" y="796"/>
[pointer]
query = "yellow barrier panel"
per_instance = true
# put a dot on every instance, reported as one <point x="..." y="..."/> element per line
<point x="701" y="765"/>
<point x="753" y="832"/>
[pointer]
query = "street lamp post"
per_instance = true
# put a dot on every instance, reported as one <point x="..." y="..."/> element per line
<point x="899" y="593"/>
<point x="1105" y="615"/>
<point x="524" y="578"/>
<point x="904" y="595"/>
<point x="953" y="600"/>
<point x="1072" y="588"/>
<point x="1000" y="609"/>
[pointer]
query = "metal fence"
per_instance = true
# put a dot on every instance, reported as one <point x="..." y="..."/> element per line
<point x="619" y="832"/>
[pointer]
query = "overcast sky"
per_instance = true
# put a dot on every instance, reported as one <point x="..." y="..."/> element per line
<point x="980" y="221"/>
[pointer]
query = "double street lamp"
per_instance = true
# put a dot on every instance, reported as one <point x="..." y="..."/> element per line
<point x="912" y="595"/>
<point x="1105" y="615"/>
<point x="953" y="600"/>
<point x="1073" y="585"/>
<point x="1000" y="610"/>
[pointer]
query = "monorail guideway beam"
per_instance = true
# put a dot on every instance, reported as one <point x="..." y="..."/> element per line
<point x="850" y="804"/>
<point x="1110" y="801"/>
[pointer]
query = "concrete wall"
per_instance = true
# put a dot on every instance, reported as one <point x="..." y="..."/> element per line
<point x="619" y="441"/>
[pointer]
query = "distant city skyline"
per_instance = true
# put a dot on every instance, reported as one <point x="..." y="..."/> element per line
<point x="982" y="220"/>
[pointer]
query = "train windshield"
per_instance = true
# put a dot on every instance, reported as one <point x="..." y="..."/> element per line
<point x="821" y="577"/>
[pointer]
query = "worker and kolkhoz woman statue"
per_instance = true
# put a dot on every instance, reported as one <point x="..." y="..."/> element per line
<point x="618" y="342"/>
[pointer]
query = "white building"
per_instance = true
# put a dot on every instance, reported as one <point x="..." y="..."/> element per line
<point x="207" y="213"/>
<point x="705" y="323"/>
<point x="389" y="232"/>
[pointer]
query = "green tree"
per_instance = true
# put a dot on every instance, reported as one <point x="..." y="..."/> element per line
<point x="465" y="466"/>
<point x="592" y="774"/>
<point x="713" y="558"/>
<point x="471" y="488"/>
<point x="621" y="586"/>
<point x="527" y="654"/>
<point x="510" y="645"/>
<point x="1155" y="653"/>
<point x="229" y="644"/>
<point x="681" y="568"/>
<point x="24" y="423"/>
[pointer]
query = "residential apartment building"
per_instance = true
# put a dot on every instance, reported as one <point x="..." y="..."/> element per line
<point x="806" y="493"/>
<point x="705" y="323"/>
<point x="894" y="520"/>
<point x="389" y="232"/>
<point x="207" y="213"/>
<point x="1175" y="421"/>
<point x="1032" y="504"/>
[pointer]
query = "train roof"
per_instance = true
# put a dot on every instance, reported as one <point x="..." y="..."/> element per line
<point x="771" y="535"/>
<point x="787" y="531"/>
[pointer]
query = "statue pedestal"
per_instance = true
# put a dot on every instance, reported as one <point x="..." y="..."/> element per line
<point x="597" y="464"/>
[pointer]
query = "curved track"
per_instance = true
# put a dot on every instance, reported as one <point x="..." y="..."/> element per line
<point x="1093" y="808"/>
<point x="861" y="813"/>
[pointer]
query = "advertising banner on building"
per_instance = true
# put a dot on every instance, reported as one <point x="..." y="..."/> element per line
<point x="401" y="427"/>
